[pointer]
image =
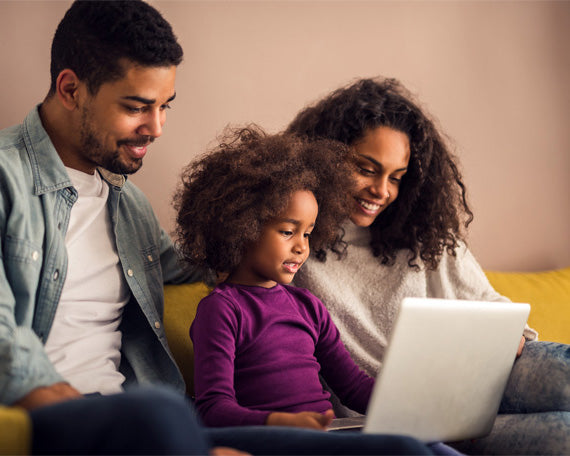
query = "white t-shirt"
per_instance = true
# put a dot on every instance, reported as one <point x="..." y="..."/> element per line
<point x="84" y="342"/>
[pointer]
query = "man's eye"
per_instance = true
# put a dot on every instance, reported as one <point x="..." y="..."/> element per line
<point x="307" y="235"/>
<point x="134" y="110"/>
<point x="166" y="106"/>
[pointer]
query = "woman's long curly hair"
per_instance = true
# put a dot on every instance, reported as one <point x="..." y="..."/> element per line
<point x="431" y="212"/>
<point x="228" y="195"/>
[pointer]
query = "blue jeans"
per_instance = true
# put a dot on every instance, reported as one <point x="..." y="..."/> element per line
<point x="140" y="421"/>
<point x="159" y="421"/>
<point x="275" y="440"/>
<point x="534" y="416"/>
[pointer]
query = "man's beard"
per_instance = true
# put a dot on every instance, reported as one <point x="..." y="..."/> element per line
<point x="93" y="149"/>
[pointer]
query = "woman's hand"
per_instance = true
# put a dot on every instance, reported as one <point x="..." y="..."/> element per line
<point x="521" y="346"/>
<point x="311" y="420"/>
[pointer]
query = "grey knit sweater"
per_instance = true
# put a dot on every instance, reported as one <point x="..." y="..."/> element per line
<point x="363" y="295"/>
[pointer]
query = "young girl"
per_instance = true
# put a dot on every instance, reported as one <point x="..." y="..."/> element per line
<point x="248" y="210"/>
<point x="406" y="237"/>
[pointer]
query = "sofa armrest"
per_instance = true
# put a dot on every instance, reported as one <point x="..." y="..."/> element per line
<point x="15" y="431"/>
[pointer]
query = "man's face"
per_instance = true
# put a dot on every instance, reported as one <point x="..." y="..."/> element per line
<point x="123" y="118"/>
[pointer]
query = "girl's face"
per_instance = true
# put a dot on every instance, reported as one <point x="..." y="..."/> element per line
<point x="282" y="247"/>
<point x="383" y="157"/>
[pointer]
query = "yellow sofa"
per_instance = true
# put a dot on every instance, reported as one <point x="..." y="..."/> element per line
<point x="547" y="292"/>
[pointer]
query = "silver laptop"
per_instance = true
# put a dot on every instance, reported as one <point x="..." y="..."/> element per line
<point x="445" y="369"/>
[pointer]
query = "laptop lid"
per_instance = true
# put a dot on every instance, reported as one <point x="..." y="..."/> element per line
<point x="446" y="368"/>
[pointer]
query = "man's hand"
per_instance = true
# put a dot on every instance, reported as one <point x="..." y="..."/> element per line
<point x="47" y="395"/>
<point x="521" y="346"/>
<point x="311" y="420"/>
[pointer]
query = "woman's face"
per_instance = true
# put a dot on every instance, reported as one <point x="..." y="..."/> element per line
<point x="383" y="155"/>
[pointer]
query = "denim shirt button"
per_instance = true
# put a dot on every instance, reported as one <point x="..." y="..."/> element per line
<point x="149" y="257"/>
<point x="130" y="272"/>
<point x="157" y="324"/>
<point x="56" y="274"/>
<point x="35" y="255"/>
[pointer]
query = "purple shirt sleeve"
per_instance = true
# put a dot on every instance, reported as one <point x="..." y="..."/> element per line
<point x="214" y="334"/>
<point x="351" y="384"/>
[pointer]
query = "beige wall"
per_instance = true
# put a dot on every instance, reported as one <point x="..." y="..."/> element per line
<point x="495" y="74"/>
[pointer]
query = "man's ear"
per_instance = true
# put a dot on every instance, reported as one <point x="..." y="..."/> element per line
<point x="67" y="89"/>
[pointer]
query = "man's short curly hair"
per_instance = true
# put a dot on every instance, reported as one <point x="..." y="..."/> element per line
<point x="228" y="195"/>
<point x="95" y="37"/>
<point x="431" y="212"/>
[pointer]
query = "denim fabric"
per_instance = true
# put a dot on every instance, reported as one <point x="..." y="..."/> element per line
<point x="36" y="197"/>
<point x="158" y="421"/>
<point x="276" y="440"/>
<point x="534" y="417"/>
<point x="149" y="421"/>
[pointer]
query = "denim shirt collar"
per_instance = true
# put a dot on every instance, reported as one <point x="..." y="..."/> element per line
<point x="48" y="170"/>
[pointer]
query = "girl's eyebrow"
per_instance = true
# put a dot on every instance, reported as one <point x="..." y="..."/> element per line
<point x="292" y="221"/>
<point x="377" y="163"/>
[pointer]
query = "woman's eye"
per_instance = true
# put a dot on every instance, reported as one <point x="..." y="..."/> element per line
<point x="307" y="235"/>
<point x="366" y="171"/>
<point x="396" y="180"/>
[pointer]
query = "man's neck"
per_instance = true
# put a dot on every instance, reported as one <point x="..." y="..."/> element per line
<point x="62" y="130"/>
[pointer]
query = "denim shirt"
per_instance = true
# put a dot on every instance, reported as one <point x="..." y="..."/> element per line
<point x="36" y="197"/>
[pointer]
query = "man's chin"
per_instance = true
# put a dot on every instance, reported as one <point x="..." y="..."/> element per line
<point x="124" y="168"/>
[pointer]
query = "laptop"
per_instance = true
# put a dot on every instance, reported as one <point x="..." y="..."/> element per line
<point x="445" y="369"/>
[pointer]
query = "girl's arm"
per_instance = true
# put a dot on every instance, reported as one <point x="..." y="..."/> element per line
<point x="351" y="384"/>
<point x="214" y="333"/>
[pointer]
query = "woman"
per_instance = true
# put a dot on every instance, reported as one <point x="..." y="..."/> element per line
<point x="406" y="237"/>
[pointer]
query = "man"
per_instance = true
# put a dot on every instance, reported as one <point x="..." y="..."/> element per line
<point x="83" y="256"/>
<point x="84" y="259"/>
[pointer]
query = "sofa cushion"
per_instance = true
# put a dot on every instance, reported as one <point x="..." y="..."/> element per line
<point x="180" y="304"/>
<point x="547" y="292"/>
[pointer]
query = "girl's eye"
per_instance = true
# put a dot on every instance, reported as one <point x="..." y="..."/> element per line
<point x="286" y="233"/>
<point x="307" y="235"/>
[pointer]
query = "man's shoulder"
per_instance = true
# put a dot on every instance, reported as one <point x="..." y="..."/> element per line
<point x="11" y="142"/>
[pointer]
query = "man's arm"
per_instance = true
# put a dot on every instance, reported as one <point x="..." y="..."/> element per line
<point x="174" y="270"/>
<point x="24" y="365"/>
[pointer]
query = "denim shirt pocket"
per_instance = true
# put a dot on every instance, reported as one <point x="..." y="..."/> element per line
<point x="22" y="264"/>
<point x="153" y="275"/>
<point x="151" y="258"/>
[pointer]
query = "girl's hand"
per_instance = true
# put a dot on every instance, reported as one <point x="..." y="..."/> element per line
<point x="521" y="346"/>
<point x="311" y="420"/>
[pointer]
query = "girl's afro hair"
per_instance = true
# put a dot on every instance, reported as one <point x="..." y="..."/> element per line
<point x="228" y="195"/>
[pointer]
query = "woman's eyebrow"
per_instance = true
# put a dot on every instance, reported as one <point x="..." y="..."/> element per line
<point x="377" y="163"/>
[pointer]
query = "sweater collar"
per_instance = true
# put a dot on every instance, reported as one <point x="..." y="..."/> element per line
<point x="356" y="235"/>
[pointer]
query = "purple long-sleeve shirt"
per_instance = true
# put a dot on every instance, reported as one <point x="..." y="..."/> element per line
<point x="260" y="350"/>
